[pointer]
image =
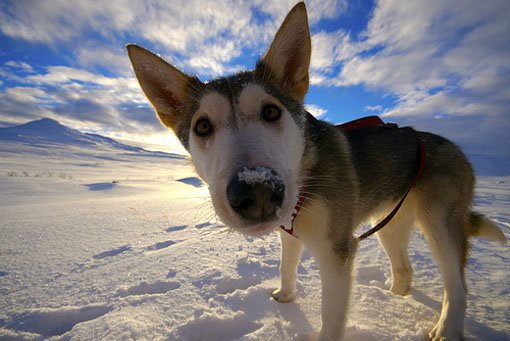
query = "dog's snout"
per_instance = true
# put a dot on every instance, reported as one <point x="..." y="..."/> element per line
<point x="256" y="194"/>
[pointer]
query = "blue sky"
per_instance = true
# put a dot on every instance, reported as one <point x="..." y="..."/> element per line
<point x="440" y="66"/>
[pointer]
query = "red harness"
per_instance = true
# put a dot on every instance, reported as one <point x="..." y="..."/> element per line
<point x="364" y="122"/>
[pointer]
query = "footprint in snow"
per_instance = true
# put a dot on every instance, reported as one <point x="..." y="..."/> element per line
<point x="144" y="288"/>
<point x="206" y="279"/>
<point x="176" y="228"/>
<point x="216" y="326"/>
<point x="49" y="322"/>
<point x="193" y="181"/>
<point x="112" y="253"/>
<point x="201" y="226"/>
<point x="228" y="285"/>
<point x="371" y="275"/>
<point x="101" y="186"/>
<point x="160" y="246"/>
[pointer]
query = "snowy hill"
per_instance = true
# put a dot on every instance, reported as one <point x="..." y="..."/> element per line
<point x="48" y="131"/>
<point x="103" y="241"/>
<point x="47" y="136"/>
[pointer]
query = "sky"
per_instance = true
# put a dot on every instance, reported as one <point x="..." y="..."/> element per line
<point x="439" y="66"/>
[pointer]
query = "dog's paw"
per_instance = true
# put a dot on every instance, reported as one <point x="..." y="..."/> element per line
<point x="400" y="289"/>
<point x="312" y="336"/>
<point x="283" y="296"/>
<point x="440" y="333"/>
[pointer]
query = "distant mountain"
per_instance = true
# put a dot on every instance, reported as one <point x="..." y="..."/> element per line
<point x="47" y="132"/>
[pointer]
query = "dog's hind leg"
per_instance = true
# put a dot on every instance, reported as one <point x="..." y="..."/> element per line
<point x="395" y="238"/>
<point x="444" y="230"/>
<point x="291" y="251"/>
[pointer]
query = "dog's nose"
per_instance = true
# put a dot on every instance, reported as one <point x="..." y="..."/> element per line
<point x="256" y="194"/>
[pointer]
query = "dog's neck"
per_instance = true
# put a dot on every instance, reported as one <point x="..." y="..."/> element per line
<point x="289" y="226"/>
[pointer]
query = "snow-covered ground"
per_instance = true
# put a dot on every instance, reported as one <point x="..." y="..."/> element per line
<point x="102" y="241"/>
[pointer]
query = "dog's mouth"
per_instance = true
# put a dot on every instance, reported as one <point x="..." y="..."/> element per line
<point x="258" y="230"/>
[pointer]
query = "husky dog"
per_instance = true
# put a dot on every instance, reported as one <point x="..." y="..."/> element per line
<point x="259" y="151"/>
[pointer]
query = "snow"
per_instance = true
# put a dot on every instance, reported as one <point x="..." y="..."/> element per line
<point x="115" y="242"/>
<point x="257" y="175"/>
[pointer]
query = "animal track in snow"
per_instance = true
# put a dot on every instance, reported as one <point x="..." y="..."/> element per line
<point x="193" y="181"/>
<point x="160" y="245"/>
<point x="228" y="285"/>
<point x="50" y="322"/>
<point x="216" y="326"/>
<point x="200" y="226"/>
<point x="144" y="288"/>
<point x="176" y="228"/>
<point x="371" y="275"/>
<point x="207" y="279"/>
<point x="101" y="186"/>
<point x="113" y="252"/>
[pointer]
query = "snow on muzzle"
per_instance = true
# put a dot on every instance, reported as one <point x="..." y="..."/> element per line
<point x="256" y="194"/>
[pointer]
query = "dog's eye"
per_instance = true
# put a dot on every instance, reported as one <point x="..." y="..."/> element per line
<point x="203" y="127"/>
<point x="271" y="113"/>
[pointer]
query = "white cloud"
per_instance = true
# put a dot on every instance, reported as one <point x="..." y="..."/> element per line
<point x="191" y="32"/>
<point x="49" y="21"/>
<point x="317" y="9"/>
<point x="20" y="65"/>
<point x="91" y="99"/>
<point x="315" y="110"/>
<point x="28" y="94"/>
<point x="435" y="56"/>
<point x="328" y="49"/>
<point x="377" y="108"/>
<point x="107" y="57"/>
<point x="185" y="27"/>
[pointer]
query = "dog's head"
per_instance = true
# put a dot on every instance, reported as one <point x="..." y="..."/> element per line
<point x="244" y="132"/>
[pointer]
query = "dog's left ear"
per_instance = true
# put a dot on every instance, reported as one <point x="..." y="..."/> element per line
<point x="288" y="57"/>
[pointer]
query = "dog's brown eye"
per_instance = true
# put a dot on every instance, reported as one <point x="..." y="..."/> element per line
<point x="271" y="113"/>
<point x="203" y="127"/>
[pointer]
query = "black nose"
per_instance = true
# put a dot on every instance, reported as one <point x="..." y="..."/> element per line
<point x="256" y="194"/>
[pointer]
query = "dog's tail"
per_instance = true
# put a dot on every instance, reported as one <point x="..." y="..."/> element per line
<point x="480" y="225"/>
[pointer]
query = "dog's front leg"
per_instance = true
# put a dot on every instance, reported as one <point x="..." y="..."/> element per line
<point x="290" y="253"/>
<point x="335" y="270"/>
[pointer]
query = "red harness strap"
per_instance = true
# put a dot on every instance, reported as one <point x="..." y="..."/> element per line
<point x="364" y="122"/>
<point x="297" y="208"/>
<point x="395" y="210"/>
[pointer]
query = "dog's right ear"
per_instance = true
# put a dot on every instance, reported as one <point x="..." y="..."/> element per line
<point x="162" y="83"/>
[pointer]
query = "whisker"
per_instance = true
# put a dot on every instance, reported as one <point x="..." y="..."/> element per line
<point x="321" y="186"/>
<point x="312" y="196"/>
<point x="321" y="178"/>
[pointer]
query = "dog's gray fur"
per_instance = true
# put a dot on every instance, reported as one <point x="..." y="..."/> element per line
<point x="350" y="176"/>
